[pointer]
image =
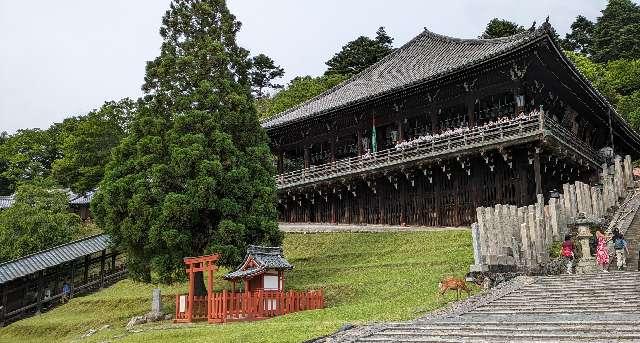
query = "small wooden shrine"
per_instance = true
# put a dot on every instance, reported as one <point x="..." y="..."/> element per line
<point x="262" y="295"/>
<point x="263" y="269"/>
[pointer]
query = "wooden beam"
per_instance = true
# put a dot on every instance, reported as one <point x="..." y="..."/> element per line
<point x="536" y="171"/>
<point x="40" y="291"/>
<point x="102" y="265"/>
<point x="3" y="304"/>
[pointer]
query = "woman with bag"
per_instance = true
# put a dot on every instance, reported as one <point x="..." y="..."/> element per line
<point x="602" y="253"/>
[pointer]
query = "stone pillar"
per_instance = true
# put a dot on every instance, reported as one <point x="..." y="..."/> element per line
<point x="525" y="244"/>
<point x="515" y="222"/>
<point x="554" y="219"/>
<point x="533" y="233"/>
<point x="542" y="248"/>
<point x="619" y="177"/>
<point x="156" y="301"/>
<point x="566" y="197"/>
<point x="562" y="219"/>
<point x="628" y="171"/>
<point x="492" y="251"/>
<point x="478" y="265"/>
<point x="573" y="202"/>
<point x="484" y="237"/>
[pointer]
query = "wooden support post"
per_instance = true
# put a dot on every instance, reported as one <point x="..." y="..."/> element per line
<point x="85" y="274"/>
<point x="400" y="130"/>
<point x="102" y="265"/>
<point x="306" y="157"/>
<point x="523" y="183"/>
<point x="113" y="261"/>
<point x="470" y="115"/>
<point x="359" y="142"/>
<point x="403" y="188"/>
<point x="333" y="148"/>
<point x="3" y="304"/>
<point x="40" y="291"/>
<point x="73" y="276"/>
<point x="280" y="162"/>
<point x="191" y="291"/>
<point x="536" y="171"/>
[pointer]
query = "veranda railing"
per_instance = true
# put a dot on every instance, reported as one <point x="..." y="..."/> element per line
<point x="518" y="129"/>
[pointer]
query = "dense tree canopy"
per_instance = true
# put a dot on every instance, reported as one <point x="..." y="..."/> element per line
<point x="616" y="32"/>
<point x="297" y="91"/>
<point x="497" y="28"/>
<point x="263" y="72"/>
<point x="195" y="173"/>
<point x="39" y="219"/>
<point x="359" y="54"/>
<point x="86" y="145"/>
<point x="27" y="155"/>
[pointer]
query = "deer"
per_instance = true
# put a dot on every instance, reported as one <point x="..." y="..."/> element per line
<point x="452" y="283"/>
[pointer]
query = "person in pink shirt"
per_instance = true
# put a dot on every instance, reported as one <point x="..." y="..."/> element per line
<point x="602" y="253"/>
<point x="567" y="252"/>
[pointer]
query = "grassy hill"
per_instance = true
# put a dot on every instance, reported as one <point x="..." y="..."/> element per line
<point x="367" y="277"/>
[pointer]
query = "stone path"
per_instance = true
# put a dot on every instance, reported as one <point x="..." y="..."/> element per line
<point x="320" y="228"/>
<point x="570" y="308"/>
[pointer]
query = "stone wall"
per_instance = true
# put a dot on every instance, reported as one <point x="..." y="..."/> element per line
<point x="507" y="235"/>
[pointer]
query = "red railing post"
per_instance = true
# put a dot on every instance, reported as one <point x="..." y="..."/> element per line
<point x="224" y="306"/>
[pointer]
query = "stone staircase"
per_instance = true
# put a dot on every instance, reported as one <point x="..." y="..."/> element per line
<point x="601" y="307"/>
<point x="633" y="238"/>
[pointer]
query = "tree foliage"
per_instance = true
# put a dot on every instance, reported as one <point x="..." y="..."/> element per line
<point x="360" y="53"/>
<point x="497" y="28"/>
<point x="263" y="72"/>
<point x="39" y="219"/>
<point x="195" y="173"/>
<point x="27" y="155"/>
<point x="87" y="142"/>
<point x="297" y="91"/>
<point x="616" y="32"/>
<point x="580" y="37"/>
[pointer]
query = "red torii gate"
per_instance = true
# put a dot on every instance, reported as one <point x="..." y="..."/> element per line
<point x="190" y="302"/>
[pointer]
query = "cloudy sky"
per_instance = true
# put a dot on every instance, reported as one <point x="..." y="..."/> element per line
<point x="63" y="58"/>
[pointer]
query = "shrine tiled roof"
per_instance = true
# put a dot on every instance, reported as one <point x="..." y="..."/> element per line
<point x="425" y="57"/>
<point x="42" y="260"/>
<point x="265" y="258"/>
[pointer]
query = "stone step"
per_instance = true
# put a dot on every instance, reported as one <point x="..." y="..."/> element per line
<point x="517" y="327"/>
<point x="417" y="336"/>
<point x="452" y="339"/>
<point x="609" y="302"/>
<point x="559" y="306"/>
<point x="586" y="283"/>
<point x="582" y="290"/>
<point x="576" y="310"/>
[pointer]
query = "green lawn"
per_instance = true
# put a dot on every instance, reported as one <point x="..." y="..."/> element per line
<point x="367" y="277"/>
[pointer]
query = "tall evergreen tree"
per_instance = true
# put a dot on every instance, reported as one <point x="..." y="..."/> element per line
<point x="359" y="54"/>
<point x="263" y="72"/>
<point x="581" y="36"/>
<point x="195" y="173"/>
<point x="497" y="28"/>
<point x="616" y="32"/>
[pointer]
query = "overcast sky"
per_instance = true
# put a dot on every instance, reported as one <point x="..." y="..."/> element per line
<point x="63" y="58"/>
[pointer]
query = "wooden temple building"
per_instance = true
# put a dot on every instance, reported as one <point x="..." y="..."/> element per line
<point x="441" y="126"/>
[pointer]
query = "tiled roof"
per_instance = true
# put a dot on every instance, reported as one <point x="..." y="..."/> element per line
<point x="52" y="257"/>
<point x="81" y="199"/>
<point x="265" y="258"/>
<point x="424" y="58"/>
<point x="6" y="201"/>
<point x="74" y="199"/>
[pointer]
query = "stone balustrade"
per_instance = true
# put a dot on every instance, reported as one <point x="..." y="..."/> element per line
<point x="520" y="237"/>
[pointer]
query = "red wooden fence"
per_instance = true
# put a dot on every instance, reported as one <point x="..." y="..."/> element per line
<point x="227" y="306"/>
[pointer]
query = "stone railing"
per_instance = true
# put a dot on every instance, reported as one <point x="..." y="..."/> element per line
<point x="507" y="235"/>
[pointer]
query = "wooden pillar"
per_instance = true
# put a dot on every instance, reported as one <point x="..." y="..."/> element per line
<point x="3" y="304"/>
<point x="536" y="171"/>
<point x="523" y="184"/>
<point x="85" y="274"/>
<point x="113" y="261"/>
<point x="334" y="218"/>
<point x="359" y="142"/>
<point x="437" y="190"/>
<point x="102" y="265"/>
<point x="190" y="294"/>
<point x="306" y="156"/>
<point x="40" y="291"/>
<point x="470" y="115"/>
<point x="280" y="161"/>
<point x="403" y="188"/>
<point x="333" y="148"/>
<point x="400" y="130"/>
<point x="73" y="276"/>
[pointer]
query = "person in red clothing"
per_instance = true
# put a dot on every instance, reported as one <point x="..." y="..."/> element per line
<point x="567" y="252"/>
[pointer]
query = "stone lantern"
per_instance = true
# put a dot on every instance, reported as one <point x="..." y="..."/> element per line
<point x="587" y="263"/>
